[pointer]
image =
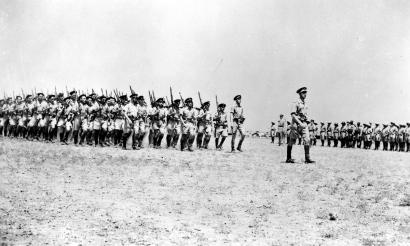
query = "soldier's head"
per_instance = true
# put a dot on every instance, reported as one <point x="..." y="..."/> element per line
<point x="18" y="99"/>
<point x="73" y="95"/>
<point x="141" y="100"/>
<point x="1" y="102"/>
<point x="82" y="98"/>
<point x="93" y="96"/>
<point x="89" y="100"/>
<point x="273" y="123"/>
<point x="221" y="107"/>
<point x="102" y="99"/>
<point x="281" y="116"/>
<point x="67" y="100"/>
<point x="238" y="99"/>
<point x="29" y="98"/>
<point x="322" y="123"/>
<point x="176" y="103"/>
<point x="206" y="105"/>
<point x="123" y="99"/>
<point x="134" y="98"/>
<point x="302" y="92"/>
<point x="189" y="103"/>
<point x="51" y="98"/>
<point x="110" y="101"/>
<point x="160" y="102"/>
<point x="358" y="123"/>
<point x="408" y="124"/>
<point x="40" y="96"/>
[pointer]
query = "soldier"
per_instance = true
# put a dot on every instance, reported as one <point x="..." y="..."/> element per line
<point x="329" y="132"/>
<point x="65" y="117"/>
<point x="343" y="135"/>
<point x="1" y="116"/>
<point x="336" y="132"/>
<point x="221" y="126"/>
<point x="281" y="129"/>
<point x="288" y="128"/>
<point x="237" y="118"/>
<point x="142" y="117"/>
<point x="358" y="135"/>
<point x="160" y="121"/>
<point x="119" y="119"/>
<point x="392" y="136"/>
<point x="272" y="132"/>
<point x="385" y="137"/>
<point x="12" y="118"/>
<point x="131" y="121"/>
<point x="104" y="121"/>
<point x="401" y="136"/>
<point x="377" y="136"/>
<point x="173" y="126"/>
<point x="20" y="119"/>
<point x="299" y="125"/>
<point x="42" y="116"/>
<point x="6" y="118"/>
<point x="322" y="133"/>
<point x="311" y="128"/>
<point x="188" y="122"/>
<point x="350" y="134"/>
<point x="83" y="110"/>
<point x="317" y="134"/>
<point x="204" y="125"/>
<point x="366" y="136"/>
<point x="408" y="137"/>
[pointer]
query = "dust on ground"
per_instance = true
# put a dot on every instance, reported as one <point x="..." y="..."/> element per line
<point x="53" y="194"/>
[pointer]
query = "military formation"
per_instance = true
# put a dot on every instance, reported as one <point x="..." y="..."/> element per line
<point x="114" y="119"/>
<point x="348" y="134"/>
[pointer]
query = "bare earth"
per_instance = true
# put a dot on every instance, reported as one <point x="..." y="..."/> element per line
<point x="53" y="194"/>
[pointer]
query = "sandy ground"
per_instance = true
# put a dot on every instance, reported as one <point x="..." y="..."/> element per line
<point x="53" y="194"/>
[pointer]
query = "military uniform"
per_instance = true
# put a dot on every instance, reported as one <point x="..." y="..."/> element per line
<point x="160" y="122"/>
<point x="221" y="126"/>
<point x="188" y="118"/>
<point x="322" y="133"/>
<point x="336" y="132"/>
<point x="281" y="130"/>
<point x="401" y="136"/>
<point x="385" y="137"/>
<point x="329" y="132"/>
<point x="377" y="136"/>
<point x="392" y="136"/>
<point x="173" y="124"/>
<point x="131" y="122"/>
<point x="237" y="120"/>
<point x="299" y="126"/>
<point x="272" y="132"/>
<point x="204" y="126"/>
<point x="408" y="137"/>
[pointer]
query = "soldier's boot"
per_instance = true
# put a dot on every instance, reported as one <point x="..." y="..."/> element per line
<point x="168" y="139"/>
<point x="141" y="140"/>
<point x="408" y="147"/>
<point x="75" y="137"/>
<point x="102" y="137"/>
<point x="199" y="137"/>
<point x="239" y="148"/>
<point x="216" y="143"/>
<point x="299" y="141"/>
<point x="159" y="140"/>
<point x="175" y="140"/>
<point x="307" y="155"/>
<point x="151" y="137"/>
<point x="328" y="143"/>
<point x="96" y="136"/>
<point x="191" y="140"/>
<point x="82" y="137"/>
<point x="323" y="142"/>
<point x="221" y="143"/>
<point x="125" y="137"/>
<point x="207" y="138"/>
<point x="233" y="142"/>
<point x="280" y="141"/>
<point x="134" y="141"/>
<point x="289" y="154"/>
<point x="183" y="141"/>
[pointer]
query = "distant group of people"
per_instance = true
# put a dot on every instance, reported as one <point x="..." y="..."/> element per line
<point x="107" y="120"/>
<point x="349" y="134"/>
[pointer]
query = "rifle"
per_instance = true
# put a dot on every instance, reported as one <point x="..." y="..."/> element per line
<point x="167" y="101"/>
<point x="200" y="99"/>
<point x="106" y="93"/>
<point x="172" y="97"/>
<point x="132" y="91"/>
<point x="55" y="91"/>
<point x="66" y="90"/>
<point x="182" y="99"/>
<point x="22" y="93"/>
<point x="216" y="100"/>
<point x="153" y="96"/>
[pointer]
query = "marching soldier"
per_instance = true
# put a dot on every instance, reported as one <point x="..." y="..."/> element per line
<point x="401" y="135"/>
<point x="12" y="118"/>
<point x="299" y="125"/>
<point x="311" y="128"/>
<point x="322" y="133"/>
<point x="343" y="135"/>
<point x="408" y="137"/>
<point x="131" y="116"/>
<point x="358" y="135"/>
<point x="377" y="136"/>
<point x="336" y="132"/>
<point x="237" y="119"/>
<point x="350" y="131"/>
<point x="317" y="134"/>
<point x="329" y="132"/>
<point x="173" y="125"/>
<point x="20" y="119"/>
<point x="2" y="113"/>
<point x="392" y="136"/>
<point x="281" y="129"/>
<point x="188" y="122"/>
<point x="160" y="117"/>
<point x="272" y="132"/>
<point x="385" y="137"/>
<point x="221" y="126"/>
<point x="204" y="126"/>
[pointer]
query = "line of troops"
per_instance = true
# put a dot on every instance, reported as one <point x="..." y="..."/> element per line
<point x="393" y="137"/>
<point x="105" y="120"/>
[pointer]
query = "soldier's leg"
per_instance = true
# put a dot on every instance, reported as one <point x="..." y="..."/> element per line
<point x="242" y="134"/>
<point x="292" y="140"/>
<point x="199" y="138"/>
<point x="175" y="137"/>
<point x="151" y="137"/>
<point x="234" y="130"/>
<point x="280" y="139"/>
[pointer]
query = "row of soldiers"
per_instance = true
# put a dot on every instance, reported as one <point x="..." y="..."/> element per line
<point x="103" y="120"/>
<point x="393" y="137"/>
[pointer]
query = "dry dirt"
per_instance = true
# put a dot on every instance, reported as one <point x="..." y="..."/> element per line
<point x="53" y="194"/>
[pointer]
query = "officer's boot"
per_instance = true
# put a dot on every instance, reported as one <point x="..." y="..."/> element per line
<point x="206" y="141"/>
<point x="221" y="143"/>
<point x="289" y="154"/>
<point x="199" y="137"/>
<point x="240" y="143"/>
<point x="307" y="155"/>
<point x="191" y="140"/>
<point x="233" y="143"/>
<point x="183" y="141"/>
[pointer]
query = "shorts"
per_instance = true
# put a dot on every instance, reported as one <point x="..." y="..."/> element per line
<point x="221" y="131"/>
<point x="299" y="131"/>
<point x="188" y="128"/>
<point x="206" y="129"/>
<point x="118" y="124"/>
<point x="238" y="127"/>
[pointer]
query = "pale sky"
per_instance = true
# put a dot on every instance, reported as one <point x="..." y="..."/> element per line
<point x="354" y="56"/>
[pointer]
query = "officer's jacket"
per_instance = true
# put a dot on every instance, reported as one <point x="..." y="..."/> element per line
<point x="237" y="113"/>
<point x="300" y="110"/>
